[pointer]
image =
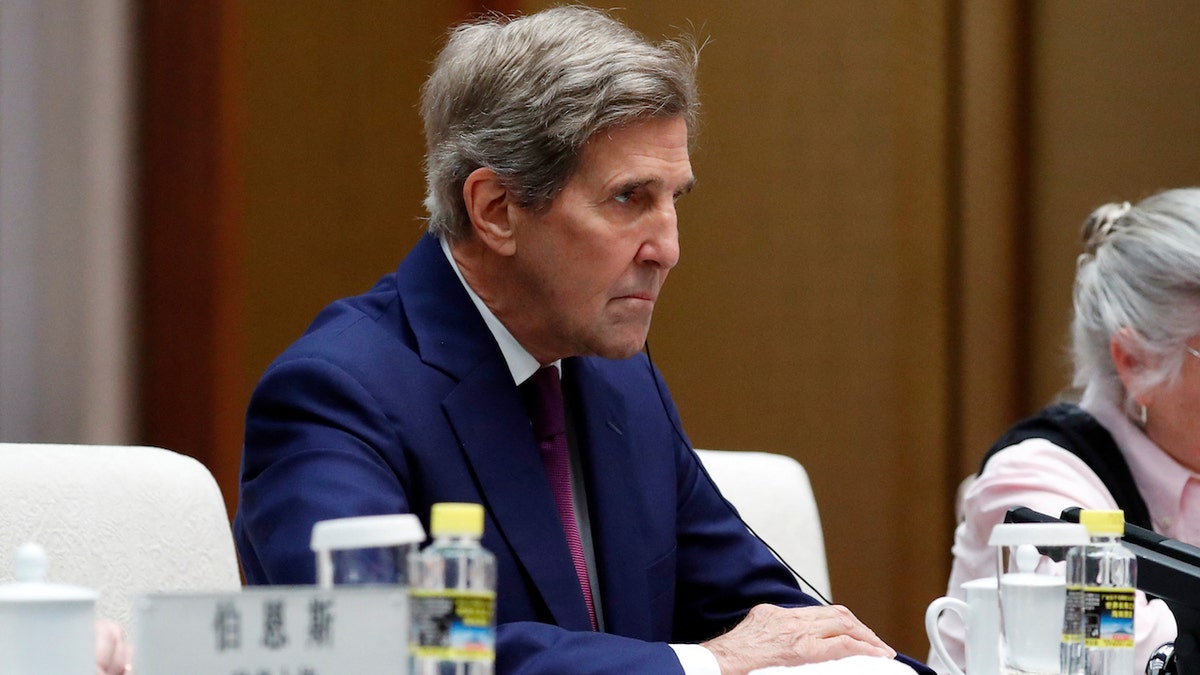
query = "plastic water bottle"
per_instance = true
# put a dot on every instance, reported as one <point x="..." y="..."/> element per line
<point x="453" y="596"/>
<point x="1102" y="576"/>
<point x="1071" y="651"/>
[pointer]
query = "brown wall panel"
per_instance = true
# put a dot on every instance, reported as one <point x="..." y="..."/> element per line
<point x="1115" y="116"/>
<point x="813" y="251"/>
<point x="876" y="263"/>
<point x="333" y="150"/>
<point x="993" y="240"/>
<point x="191" y="280"/>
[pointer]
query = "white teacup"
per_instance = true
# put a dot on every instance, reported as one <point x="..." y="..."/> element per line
<point x="1032" y="592"/>
<point x="1032" y="607"/>
<point x="365" y="549"/>
<point x="981" y="616"/>
<point x="45" y="627"/>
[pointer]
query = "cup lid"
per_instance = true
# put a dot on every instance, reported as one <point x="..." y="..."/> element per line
<point x="986" y="583"/>
<point x="29" y="569"/>
<point x="1039" y="534"/>
<point x="367" y="532"/>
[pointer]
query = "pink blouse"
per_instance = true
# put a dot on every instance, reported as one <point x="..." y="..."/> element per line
<point x="1047" y="478"/>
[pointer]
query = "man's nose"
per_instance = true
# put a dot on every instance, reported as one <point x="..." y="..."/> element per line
<point x="661" y="246"/>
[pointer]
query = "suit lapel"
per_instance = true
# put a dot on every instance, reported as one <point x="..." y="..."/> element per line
<point x="489" y="419"/>
<point x="449" y="332"/>
<point x="493" y="428"/>
<point x="614" y="501"/>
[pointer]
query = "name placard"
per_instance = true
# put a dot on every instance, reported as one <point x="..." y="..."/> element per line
<point x="273" y="630"/>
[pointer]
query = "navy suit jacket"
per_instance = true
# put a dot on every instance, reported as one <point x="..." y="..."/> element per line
<point x="400" y="398"/>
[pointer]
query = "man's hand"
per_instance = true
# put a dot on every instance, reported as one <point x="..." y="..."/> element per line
<point x="113" y="653"/>
<point x="778" y="636"/>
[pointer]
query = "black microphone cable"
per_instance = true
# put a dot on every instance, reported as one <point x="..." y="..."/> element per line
<point x="700" y="464"/>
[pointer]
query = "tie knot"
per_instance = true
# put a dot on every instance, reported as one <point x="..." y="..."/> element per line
<point x="544" y="392"/>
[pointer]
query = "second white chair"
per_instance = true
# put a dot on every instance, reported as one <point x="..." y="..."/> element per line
<point x="775" y="498"/>
<point x="120" y="520"/>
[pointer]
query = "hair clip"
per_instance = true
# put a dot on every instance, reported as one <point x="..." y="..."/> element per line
<point x="1100" y="224"/>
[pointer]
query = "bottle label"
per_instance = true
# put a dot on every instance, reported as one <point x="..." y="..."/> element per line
<point x="1072" y="632"/>
<point x="1108" y="617"/>
<point x="451" y="624"/>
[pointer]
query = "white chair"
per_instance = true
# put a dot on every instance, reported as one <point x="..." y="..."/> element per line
<point x="120" y="520"/>
<point x="773" y="495"/>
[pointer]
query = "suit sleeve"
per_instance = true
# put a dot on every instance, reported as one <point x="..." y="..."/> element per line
<point x="310" y="454"/>
<point x="528" y="648"/>
<point x="311" y="437"/>
<point x="320" y="444"/>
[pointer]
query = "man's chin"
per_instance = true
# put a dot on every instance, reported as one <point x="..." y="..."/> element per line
<point x="619" y="350"/>
<point x="623" y="354"/>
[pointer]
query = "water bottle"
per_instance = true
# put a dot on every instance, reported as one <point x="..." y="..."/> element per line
<point x="453" y="596"/>
<point x="1101" y="577"/>
<point x="1071" y="649"/>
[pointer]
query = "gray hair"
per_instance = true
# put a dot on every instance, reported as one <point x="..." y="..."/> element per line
<point x="1140" y="269"/>
<point x="522" y="97"/>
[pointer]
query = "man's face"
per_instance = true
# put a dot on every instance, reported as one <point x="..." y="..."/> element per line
<point x="589" y="268"/>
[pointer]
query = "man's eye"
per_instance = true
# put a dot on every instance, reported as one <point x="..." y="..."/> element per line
<point x="624" y="197"/>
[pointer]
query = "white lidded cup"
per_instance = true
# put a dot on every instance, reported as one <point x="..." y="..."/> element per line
<point x="1032" y="592"/>
<point x="981" y="617"/>
<point x="45" y="627"/>
<point x="365" y="549"/>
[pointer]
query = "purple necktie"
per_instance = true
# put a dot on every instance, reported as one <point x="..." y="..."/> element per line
<point x="549" y="425"/>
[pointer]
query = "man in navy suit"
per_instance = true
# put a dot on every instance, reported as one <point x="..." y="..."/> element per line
<point x="557" y="145"/>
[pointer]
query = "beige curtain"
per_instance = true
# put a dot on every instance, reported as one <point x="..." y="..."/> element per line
<point x="65" y="221"/>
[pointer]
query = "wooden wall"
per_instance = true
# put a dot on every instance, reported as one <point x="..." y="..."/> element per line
<point x="876" y="263"/>
<point x="809" y="313"/>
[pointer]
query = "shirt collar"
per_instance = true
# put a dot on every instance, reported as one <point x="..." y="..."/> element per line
<point x="1159" y="478"/>
<point x="521" y="363"/>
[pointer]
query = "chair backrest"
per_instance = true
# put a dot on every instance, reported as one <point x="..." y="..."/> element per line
<point x="120" y="520"/>
<point x="774" y="497"/>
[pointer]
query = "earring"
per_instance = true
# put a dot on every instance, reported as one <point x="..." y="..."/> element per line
<point x="1142" y="415"/>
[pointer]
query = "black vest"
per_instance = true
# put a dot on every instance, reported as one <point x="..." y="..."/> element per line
<point x="1073" y="429"/>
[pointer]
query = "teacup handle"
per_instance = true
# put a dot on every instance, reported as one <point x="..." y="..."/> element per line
<point x="932" y="613"/>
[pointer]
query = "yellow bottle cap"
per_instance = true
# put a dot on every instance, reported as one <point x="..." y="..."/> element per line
<point x="1103" y="522"/>
<point x="449" y="518"/>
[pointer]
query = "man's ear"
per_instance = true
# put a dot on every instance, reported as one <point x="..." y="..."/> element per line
<point x="487" y="204"/>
